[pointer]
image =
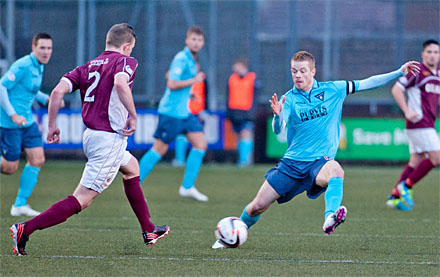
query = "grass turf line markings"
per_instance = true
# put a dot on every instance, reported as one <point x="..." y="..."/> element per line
<point x="233" y="260"/>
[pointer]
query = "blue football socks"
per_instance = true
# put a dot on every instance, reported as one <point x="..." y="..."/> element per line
<point x="28" y="180"/>
<point x="245" y="147"/>
<point x="247" y="219"/>
<point x="180" y="150"/>
<point x="147" y="163"/>
<point x="193" y="164"/>
<point x="333" y="195"/>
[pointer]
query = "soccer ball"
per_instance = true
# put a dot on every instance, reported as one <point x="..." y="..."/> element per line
<point x="231" y="232"/>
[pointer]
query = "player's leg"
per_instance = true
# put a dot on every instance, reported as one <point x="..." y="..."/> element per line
<point x="28" y="181"/>
<point x="151" y="158"/>
<point x="8" y="167"/>
<point x="33" y="147"/>
<point x="245" y="145"/>
<point x="181" y="144"/>
<point x="394" y="201"/>
<point x="55" y="214"/>
<point x="193" y="165"/>
<point x="331" y="176"/>
<point x="252" y="212"/>
<point x="167" y="130"/>
<point x="265" y="197"/>
<point x="138" y="203"/>
<point x="420" y="141"/>
<point x="10" y="144"/>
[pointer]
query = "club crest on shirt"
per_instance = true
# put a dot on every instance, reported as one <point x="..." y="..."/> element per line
<point x="426" y="73"/>
<point x="320" y="96"/>
<point x="128" y="69"/>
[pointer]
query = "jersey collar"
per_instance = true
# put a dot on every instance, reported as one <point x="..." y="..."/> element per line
<point x="315" y="85"/>
<point x="188" y="53"/>
<point x="35" y="62"/>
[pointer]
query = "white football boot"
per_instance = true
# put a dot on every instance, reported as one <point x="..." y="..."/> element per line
<point x="192" y="193"/>
<point x="218" y="245"/>
<point x="25" y="210"/>
<point x="332" y="221"/>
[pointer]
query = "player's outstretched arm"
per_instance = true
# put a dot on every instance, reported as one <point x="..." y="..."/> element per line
<point x="278" y="123"/>
<point x="411" y="67"/>
<point x="55" y="102"/>
<point x="124" y="93"/>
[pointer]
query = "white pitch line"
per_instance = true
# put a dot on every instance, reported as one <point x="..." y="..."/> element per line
<point x="232" y="260"/>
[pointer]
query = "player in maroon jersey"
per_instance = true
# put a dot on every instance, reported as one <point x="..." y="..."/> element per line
<point x="109" y="114"/>
<point x="420" y="111"/>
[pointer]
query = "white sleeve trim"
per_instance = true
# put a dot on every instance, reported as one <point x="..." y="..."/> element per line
<point x="125" y="73"/>
<point x="68" y="82"/>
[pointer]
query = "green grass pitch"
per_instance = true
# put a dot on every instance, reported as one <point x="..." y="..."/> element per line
<point x="288" y="240"/>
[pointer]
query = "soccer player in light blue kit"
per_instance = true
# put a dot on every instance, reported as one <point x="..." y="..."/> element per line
<point x="311" y="111"/>
<point x="19" y="87"/>
<point x="175" y="118"/>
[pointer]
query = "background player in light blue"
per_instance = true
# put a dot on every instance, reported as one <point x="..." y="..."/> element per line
<point x="311" y="111"/>
<point x="20" y="86"/>
<point x="175" y="118"/>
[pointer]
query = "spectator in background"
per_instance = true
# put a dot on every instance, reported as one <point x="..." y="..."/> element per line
<point x="420" y="110"/>
<point x="198" y="102"/>
<point x="19" y="88"/>
<point x="241" y="96"/>
<point x="175" y="118"/>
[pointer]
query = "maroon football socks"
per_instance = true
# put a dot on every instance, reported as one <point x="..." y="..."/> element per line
<point x="419" y="172"/>
<point x="405" y="173"/>
<point x="138" y="203"/>
<point x="56" y="214"/>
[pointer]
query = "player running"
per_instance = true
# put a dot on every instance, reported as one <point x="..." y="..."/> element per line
<point x="19" y="88"/>
<point x="109" y="114"/>
<point x="420" y="112"/>
<point x="311" y="111"/>
<point x="175" y="118"/>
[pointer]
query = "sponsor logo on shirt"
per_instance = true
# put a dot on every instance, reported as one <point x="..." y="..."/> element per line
<point x="177" y="70"/>
<point x="11" y="77"/>
<point x="316" y="112"/>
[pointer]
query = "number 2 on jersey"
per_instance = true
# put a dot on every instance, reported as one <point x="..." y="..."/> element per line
<point x="87" y="97"/>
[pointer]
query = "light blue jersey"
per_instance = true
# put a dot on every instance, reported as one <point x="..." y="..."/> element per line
<point x="174" y="103"/>
<point x="22" y="81"/>
<point x="313" y="119"/>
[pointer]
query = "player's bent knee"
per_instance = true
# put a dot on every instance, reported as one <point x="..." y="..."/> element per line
<point x="9" y="168"/>
<point x="336" y="170"/>
<point x="38" y="162"/>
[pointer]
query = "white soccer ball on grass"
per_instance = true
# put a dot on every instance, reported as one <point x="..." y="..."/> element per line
<point x="231" y="232"/>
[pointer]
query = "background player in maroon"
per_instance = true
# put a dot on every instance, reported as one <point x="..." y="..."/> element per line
<point x="420" y="112"/>
<point x="110" y="117"/>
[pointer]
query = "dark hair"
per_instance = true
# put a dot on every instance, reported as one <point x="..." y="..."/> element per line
<point x="194" y="30"/>
<point x="242" y="61"/>
<point x="120" y="34"/>
<point x="39" y="36"/>
<point x="429" y="42"/>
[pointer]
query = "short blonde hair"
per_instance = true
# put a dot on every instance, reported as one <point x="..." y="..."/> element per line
<point x="302" y="56"/>
<point x="120" y="34"/>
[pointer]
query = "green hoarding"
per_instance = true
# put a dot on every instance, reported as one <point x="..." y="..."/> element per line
<point x="361" y="139"/>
